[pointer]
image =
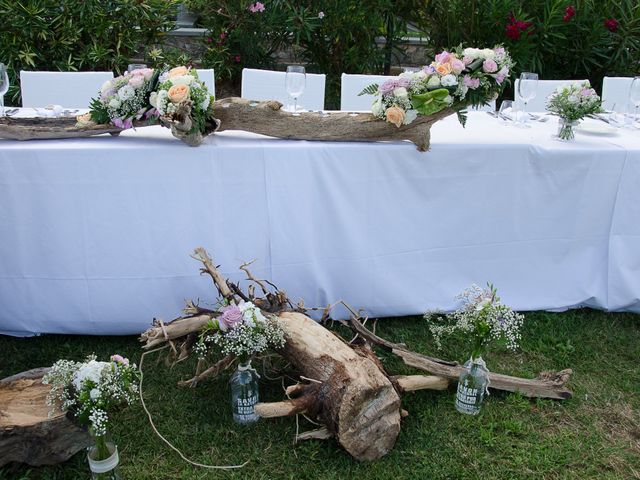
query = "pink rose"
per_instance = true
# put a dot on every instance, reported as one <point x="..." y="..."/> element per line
<point x="467" y="59"/>
<point x="136" y="81"/>
<point x="457" y="66"/>
<point x="443" y="57"/>
<point x="119" y="359"/>
<point x="471" y="82"/>
<point x="489" y="66"/>
<point x="231" y="316"/>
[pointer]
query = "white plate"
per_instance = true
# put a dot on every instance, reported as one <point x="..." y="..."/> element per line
<point x="596" y="129"/>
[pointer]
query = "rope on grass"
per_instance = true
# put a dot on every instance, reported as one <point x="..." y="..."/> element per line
<point x="217" y="467"/>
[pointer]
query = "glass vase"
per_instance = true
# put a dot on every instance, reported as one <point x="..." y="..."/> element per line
<point x="472" y="386"/>
<point x="244" y="393"/>
<point x="103" y="458"/>
<point x="565" y="129"/>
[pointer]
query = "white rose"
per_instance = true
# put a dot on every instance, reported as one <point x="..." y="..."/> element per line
<point x="449" y="80"/>
<point x="377" y="109"/>
<point x="94" y="394"/>
<point x="182" y="80"/>
<point x="126" y="92"/>
<point x="105" y="86"/>
<point x="433" y="82"/>
<point x="205" y="103"/>
<point x="400" y="92"/>
<point x="410" y="116"/>
<point x="488" y="53"/>
<point x="471" y="52"/>
<point x="114" y="102"/>
<point x="448" y="99"/>
<point x="153" y="99"/>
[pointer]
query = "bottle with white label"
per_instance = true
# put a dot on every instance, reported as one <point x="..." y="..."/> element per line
<point x="244" y="393"/>
<point x="472" y="386"/>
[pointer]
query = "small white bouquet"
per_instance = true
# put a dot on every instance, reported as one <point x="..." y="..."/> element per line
<point x="572" y="103"/>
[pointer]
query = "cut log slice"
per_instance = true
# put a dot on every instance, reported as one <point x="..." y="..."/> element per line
<point x="27" y="433"/>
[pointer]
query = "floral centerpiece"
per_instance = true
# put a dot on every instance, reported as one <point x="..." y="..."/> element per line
<point x="184" y="104"/>
<point x="241" y="331"/>
<point x="482" y="318"/>
<point x="124" y="99"/>
<point x="88" y="391"/>
<point x="466" y="76"/>
<point x="572" y="103"/>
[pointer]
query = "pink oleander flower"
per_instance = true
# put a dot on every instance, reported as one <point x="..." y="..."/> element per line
<point x="611" y="24"/>
<point x="237" y="59"/>
<point x="256" y="7"/>
<point x="393" y="83"/>
<point x="490" y="66"/>
<point x="444" y="57"/>
<point x="471" y="82"/>
<point x="457" y="66"/>
<point x="231" y="316"/>
<point x="223" y="36"/>
<point x="119" y="359"/>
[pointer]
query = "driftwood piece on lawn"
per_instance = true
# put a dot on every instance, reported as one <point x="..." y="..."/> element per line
<point x="27" y="434"/>
<point x="268" y="118"/>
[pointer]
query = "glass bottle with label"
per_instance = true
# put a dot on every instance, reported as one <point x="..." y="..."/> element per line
<point x="244" y="393"/>
<point x="472" y="385"/>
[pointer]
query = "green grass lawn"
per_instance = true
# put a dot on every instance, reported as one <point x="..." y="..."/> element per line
<point x="596" y="434"/>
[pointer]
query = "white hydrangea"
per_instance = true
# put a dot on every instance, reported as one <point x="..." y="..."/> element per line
<point x="377" y="109"/>
<point x="410" y="116"/>
<point x="449" y="80"/>
<point x="161" y="101"/>
<point x="433" y="82"/>
<point x="401" y="93"/>
<point x="205" y="103"/>
<point x="126" y="92"/>
<point x="114" y="102"/>
<point x="90" y="371"/>
<point x="182" y="80"/>
<point x="106" y="86"/>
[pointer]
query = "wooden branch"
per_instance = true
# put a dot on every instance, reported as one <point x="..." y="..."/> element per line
<point x="281" y="409"/>
<point x="209" y="373"/>
<point x="548" y="385"/>
<point x="180" y="327"/>
<point x="201" y="255"/>
<point x="412" y="383"/>
<point x="267" y="118"/>
<point x="319" y="434"/>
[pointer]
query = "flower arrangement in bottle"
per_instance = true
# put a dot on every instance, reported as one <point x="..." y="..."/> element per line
<point x="572" y="103"/>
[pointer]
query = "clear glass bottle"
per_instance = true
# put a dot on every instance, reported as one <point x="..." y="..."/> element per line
<point x="244" y="393"/>
<point x="103" y="458"/>
<point x="472" y="386"/>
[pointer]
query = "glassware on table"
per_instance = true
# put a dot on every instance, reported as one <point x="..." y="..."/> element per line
<point x="244" y="393"/>
<point x="135" y="66"/>
<point x="4" y="86"/>
<point x="634" y="98"/>
<point x="295" y="82"/>
<point x="527" y="90"/>
<point x="103" y="457"/>
<point x="472" y="385"/>
<point x="507" y="112"/>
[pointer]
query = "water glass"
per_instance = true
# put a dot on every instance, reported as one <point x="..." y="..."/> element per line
<point x="4" y="86"/>
<point x="295" y="82"/>
<point x="135" y="66"/>
<point x="507" y="112"/>
<point x="634" y="96"/>
<point x="527" y="90"/>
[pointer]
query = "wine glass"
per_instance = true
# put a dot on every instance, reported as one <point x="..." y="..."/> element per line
<point x="4" y="86"/>
<point x="507" y="112"/>
<point x="634" y="96"/>
<point x="527" y="89"/>
<point x="135" y="66"/>
<point x="295" y="81"/>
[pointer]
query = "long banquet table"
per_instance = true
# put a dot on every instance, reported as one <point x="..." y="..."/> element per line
<point x="96" y="233"/>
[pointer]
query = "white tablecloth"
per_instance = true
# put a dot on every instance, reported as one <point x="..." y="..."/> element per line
<point x="96" y="233"/>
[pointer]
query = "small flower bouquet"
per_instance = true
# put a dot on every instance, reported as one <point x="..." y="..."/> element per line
<point x="88" y="391"/>
<point x="468" y="76"/>
<point x="242" y="331"/>
<point x="124" y="99"/>
<point x="482" y="319"/>
<point x="183" y="103"/>
<point x="572" y="103"/>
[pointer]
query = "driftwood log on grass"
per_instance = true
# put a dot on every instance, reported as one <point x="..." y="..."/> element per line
<point x="27" y="433"/>
<point x="343" y="386"/>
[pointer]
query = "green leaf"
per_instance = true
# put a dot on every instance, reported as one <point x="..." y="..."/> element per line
<point x="370" y="90"/>
<point x="431" y="102"/>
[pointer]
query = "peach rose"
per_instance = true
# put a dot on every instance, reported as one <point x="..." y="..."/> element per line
<point x="178" y="93"/>
<point x="395" y="115"/>
<point x="178" y="71"/>
<point x="443" y="69"/>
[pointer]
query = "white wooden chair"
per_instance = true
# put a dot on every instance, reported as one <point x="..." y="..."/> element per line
<point x="351" y="85"/>
<point x="615" y="93"/>
<point x="208" y="78"/>
<point x="545" y="88"/>
<point x="68" y="89"/>
<point x="270" y="85"/>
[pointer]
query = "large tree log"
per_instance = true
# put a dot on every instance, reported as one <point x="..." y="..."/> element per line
<point x="355" y="400"/>
<point x="268" y="118"/>
<point x="27" y="433"/>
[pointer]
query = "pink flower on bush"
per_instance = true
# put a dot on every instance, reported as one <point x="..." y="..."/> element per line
<point x="471" y="82"/>
<point x="231" y="316"/>
<point x="237" y="59"/>
<point x="569" y="13"/>
<point x="611" y="24"/>
<point x="223" y="36"/>
<point x="489" y="66"/>
<point x="256" y="7"/>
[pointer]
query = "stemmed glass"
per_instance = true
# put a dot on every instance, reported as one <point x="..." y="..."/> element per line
<point x="527" y="89"/>
<point x="295" y="82"/>
<point x="634" y="96"/>
<point x="4" y="86"/>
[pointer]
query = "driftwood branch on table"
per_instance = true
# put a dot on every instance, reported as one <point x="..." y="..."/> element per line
<point x="343" y="386"/>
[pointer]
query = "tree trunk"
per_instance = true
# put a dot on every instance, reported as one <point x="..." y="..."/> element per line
<point x="27" y="434"/>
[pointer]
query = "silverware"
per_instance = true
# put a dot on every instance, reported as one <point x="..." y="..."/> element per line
<point x="11" y="111"/>
<point x="492" y="114"/>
